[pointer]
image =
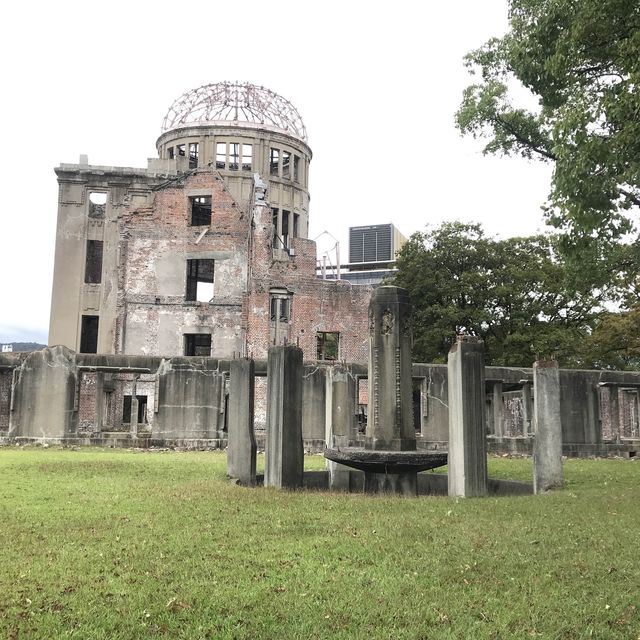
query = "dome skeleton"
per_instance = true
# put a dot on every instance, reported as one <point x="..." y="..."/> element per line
<point x="235" y="102"/>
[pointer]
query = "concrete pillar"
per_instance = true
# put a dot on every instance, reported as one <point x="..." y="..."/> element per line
<point x="44" y="395"/>
<point x="133" y="428"/>
<point x="284" y="462"/>
<point x="498" y="410"/>
<point x="241" y="446"/>
<point x="341" y="423"/>
<point x="547" y="444"/>
<point x="390" y="425"/>
<point x="467" y="465"/>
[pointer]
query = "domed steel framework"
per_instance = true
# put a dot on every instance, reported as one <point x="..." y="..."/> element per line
<point x="235" y="102"/>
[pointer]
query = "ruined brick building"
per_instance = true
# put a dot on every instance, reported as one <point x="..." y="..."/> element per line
<point x="206" y="251"/>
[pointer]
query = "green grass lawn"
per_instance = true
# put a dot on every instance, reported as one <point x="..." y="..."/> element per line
<point x="130" y="544"/>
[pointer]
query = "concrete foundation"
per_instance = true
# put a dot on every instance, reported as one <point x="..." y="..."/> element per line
<point x="467" y="468"/>
<point x="284" y="461"/>
<point x="547" y="444"/>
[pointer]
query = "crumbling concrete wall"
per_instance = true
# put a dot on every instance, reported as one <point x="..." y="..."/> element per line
<point x="44" y="395"/>
<point x="191" y="400"/>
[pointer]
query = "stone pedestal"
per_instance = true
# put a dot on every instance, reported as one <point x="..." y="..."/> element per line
<point x="547" y="444"/>
<point x="241" y="440"/>
<point x="284" y="462"/>
<point x="467" y="432"/>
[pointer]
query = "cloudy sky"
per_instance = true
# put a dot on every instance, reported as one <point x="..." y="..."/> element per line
<point x="377" y="85"/>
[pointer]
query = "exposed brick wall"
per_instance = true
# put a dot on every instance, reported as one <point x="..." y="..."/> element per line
<point x="87" y="402"/>
<point x="5" y="399"/>
<point x="155" y="241"/>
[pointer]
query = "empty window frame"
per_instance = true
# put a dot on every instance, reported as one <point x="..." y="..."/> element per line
<point x="89" y="334"/>
<point x="280" y="308"/>
<point x="247" y="157"/>
<point x="296" y="225"/>
<point x="200" y="210"/>
<point x="170" y="153"/>
<point x="274" y="162"/>
<point x="97" y="204"/>
<point x="181" y="150"/>
<point x="221" y="155"/>
<point x="234" y="156"/>
<point x="142" y="409"/>
<point x="93" y="262"/>
<point x="286" y="164"/>
<point x="197" y="344"/>
<point x="200" y="280"/>
<point x="286" y="242"/>
<point x="328" y="343"/>
<point x="193" y="155"/>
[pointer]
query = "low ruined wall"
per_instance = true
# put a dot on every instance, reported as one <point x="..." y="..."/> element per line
<point x="58" y="395"/>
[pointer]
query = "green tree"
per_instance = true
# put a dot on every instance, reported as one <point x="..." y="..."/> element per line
<point x="581" y="61"/>
<point x="614" y="342"/>
<point x="511" y="293"/>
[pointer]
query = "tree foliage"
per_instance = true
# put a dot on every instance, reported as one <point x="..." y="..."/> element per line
<point x="511" y="293"/>
<point x="581" y="60"/>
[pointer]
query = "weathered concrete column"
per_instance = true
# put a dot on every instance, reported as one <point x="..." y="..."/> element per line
<point x="467" y="468"/>
<point x="44" y="395"/>
<point x="341" y="423"/>
<point x="547" y="444"/>
<point x="284" y="461"/>
<point x="133" y="420"/>
<point x="390" y="426"/>
<point x="241" y="440"/>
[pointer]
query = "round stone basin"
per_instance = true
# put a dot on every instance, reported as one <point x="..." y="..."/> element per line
<point x="386" y="461"/>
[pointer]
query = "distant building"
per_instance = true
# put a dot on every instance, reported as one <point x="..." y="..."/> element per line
<point x="6" y="348"/>
<point x="372" y="255"/>
<point x="376" y="243"/>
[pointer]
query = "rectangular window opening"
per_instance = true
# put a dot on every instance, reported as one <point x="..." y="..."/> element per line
<point x="296" y="225"/>
<point x="247" y="156"/>
<point x="181" y="149"/>
<point x="286" y="164"/>
<point x="89" y="334"/>
<point x="97" y="204"/>
<point x="197" y="344"/>
<point x="193" y="155"/>
<point x="280" y="309"/>
<point x="200" y="211"/>
<point x="285" y="229"/>
<point x="328" y="343"/>
<point x="200" y="280"/>
<point x="274" y="162"/>
<point x="221" y="155"/>
<point x="93" y="262"/>
<point x="234" y="156"/>
<point x="142" y="409"/>
<point x="170" y="153"/>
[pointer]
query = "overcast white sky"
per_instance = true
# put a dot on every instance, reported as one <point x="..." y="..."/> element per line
<point x="377" y="85"/>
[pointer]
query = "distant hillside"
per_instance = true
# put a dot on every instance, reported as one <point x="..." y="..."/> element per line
<point x="26" y="346"/>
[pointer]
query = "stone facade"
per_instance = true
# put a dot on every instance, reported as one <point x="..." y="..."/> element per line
<point x="205" y="252"/>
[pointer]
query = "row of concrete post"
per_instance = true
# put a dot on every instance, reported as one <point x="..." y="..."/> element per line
<point x="467" y="464"/>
